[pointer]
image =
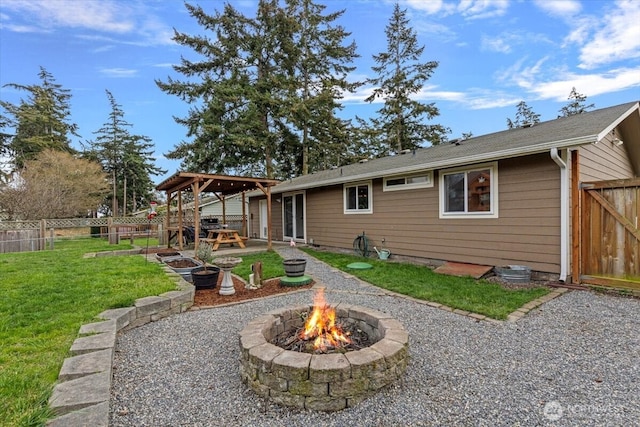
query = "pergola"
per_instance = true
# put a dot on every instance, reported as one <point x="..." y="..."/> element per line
<point x="220" y="185"/>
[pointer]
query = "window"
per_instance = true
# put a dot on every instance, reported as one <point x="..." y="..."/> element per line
<point x="422" y="180"/>
<point x="469" y="192"/>
<point x="357" y="198"/>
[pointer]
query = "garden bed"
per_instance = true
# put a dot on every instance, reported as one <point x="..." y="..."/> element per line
<point x="211" y="297"/>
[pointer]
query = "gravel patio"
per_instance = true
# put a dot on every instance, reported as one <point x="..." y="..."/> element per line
<point x="573" y="361"/>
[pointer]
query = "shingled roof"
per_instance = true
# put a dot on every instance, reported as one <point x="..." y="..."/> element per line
<point x="576" y="130"/>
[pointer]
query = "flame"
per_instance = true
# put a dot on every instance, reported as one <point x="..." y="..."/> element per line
<point x="321" y="326"/>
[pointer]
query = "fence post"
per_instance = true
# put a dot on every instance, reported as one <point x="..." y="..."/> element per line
<point x="113" y="233"/>
<point x="51" y="236"/>
<point x="161" y="236"/>
<point x="42" y="245"/>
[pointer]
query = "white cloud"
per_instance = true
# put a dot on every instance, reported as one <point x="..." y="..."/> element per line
<point x="618" y="37"/>
<point x="594" y="84"/>
<point x="106" y="16"/>
<point x="118" y="72"/>
<point x="581" y="30"/>
<point x="523" y="77"/>
<point x="562" y="8"/>
<point x="22" y="28"/>
<point x="430" y="7"/>
<point x="500" y="44"/>
<point x="102" y="15"/>
<point x="481" y="9"/>
<point x="507" y="42"/>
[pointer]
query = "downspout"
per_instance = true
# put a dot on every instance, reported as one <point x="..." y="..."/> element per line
<point x="564" y="212"/>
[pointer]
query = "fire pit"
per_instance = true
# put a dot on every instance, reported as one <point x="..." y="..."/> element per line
<point x="329" y="376"/>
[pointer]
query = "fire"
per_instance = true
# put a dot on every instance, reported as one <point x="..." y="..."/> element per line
<point x="321" y="326"/>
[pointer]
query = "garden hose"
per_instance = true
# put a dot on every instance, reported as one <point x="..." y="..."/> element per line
<point x="361" y="245"/>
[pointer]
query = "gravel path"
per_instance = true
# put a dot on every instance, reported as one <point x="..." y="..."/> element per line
<point x="574" y="361"/>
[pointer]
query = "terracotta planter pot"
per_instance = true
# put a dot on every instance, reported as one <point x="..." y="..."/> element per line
<point x="294" y="267"/>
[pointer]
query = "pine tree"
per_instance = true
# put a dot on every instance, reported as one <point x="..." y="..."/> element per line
<point x="401" y="75"/>
<point x="41" y="121"/>
<point x="524" y="116"/>
<point x="576" y="104"/>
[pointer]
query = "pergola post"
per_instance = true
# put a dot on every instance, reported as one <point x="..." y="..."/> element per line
<point x="244" y="216"/>
<point x="269" y="218"/>
<point x="196" y="215"/>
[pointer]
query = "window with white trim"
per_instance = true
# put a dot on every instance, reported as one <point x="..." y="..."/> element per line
<point x="407" y="182"/>
<point x="469" y="192"/>
<point x="358" y="198"/>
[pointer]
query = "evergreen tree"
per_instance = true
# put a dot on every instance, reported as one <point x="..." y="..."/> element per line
<point x="235" y="126"/>
<point x="264" y="93"/>
<point x="41" y="121"/>
<point x="126" y="158"/>
<point x="576" y="104"/>
<point x="321" y="64"/>
<point x="400" y="75"/>
<point x="524" y="116"/>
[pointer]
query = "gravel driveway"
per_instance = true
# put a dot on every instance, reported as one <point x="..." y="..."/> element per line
<point x="573" y="361"/>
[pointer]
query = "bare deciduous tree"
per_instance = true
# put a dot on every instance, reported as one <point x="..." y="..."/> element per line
<point x="54" y="185"/>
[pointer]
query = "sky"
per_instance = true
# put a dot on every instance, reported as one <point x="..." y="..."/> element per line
<point x="492" y="54"/>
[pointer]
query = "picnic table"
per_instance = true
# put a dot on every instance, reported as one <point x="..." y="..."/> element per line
<point x="224" y="235"/>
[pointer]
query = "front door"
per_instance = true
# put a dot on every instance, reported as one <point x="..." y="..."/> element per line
<point x="293" y="215"/>
<point x="263" y="220"/>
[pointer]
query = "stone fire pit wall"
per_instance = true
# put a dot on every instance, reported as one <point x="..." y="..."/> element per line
<point x="325" y="382"/>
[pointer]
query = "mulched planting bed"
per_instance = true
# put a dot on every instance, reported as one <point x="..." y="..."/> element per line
<point x="211" y="297"/>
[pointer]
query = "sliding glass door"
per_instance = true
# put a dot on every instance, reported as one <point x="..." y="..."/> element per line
<point x="293" y="215"/>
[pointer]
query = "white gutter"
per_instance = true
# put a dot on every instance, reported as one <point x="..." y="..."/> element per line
<point x="564" y="211"/>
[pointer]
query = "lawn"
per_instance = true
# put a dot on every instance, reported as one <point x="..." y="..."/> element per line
<point x="46" y="297"/>
<point x="465" y="293"/>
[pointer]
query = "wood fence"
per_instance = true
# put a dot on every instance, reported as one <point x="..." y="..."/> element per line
<point x="610" y="243"/>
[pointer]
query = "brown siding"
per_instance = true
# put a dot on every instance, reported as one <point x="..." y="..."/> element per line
<point x="604" y="161"/>
<point x="526" y="232"/>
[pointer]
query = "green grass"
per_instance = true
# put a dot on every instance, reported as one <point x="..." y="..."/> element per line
<point x="48" y="295"/>
<point x="45" y="297"/>
<point x="465" y="293"/>
<point x="271" y="265"/>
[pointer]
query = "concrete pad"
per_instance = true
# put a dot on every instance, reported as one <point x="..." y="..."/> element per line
<point x="93" y="343"/>
<point x="460" y="269"/>
<point x="80" y="393"/>
<point x="86" y="364"/>
<point x="91" y="416"/>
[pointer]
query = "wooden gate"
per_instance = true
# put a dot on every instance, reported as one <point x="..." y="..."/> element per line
<point x="610" y="246"/>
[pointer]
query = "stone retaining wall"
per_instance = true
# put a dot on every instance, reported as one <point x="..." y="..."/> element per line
<point x="326" y="382"/>
<point x="81" y="395"/>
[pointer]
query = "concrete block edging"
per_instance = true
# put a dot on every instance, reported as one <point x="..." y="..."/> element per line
<point x="83" y="389"/>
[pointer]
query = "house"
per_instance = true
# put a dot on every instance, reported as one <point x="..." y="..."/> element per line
<point x="507" y="198"/>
